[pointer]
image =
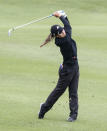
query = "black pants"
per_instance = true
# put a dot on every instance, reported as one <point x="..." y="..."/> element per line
<point x="68" y="77"/>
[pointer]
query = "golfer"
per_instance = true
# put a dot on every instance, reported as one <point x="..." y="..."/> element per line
<point x="68" y="71"/>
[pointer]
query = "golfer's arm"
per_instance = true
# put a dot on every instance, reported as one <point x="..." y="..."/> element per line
<point x="66" y="23"/>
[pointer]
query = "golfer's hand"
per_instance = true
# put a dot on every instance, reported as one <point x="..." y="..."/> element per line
<point x="57" y="14"/>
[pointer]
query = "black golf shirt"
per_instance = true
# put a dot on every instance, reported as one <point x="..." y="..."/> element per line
<point x="67" y="45"/>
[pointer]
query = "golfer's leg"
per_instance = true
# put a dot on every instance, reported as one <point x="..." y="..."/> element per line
<point x="55" y="94"/>
<point x="73" y="94"/>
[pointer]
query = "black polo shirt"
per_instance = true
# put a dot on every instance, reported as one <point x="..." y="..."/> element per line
<point x="67" y="45"/>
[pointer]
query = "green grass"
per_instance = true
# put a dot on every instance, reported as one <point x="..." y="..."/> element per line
<point x="28" y="74"/>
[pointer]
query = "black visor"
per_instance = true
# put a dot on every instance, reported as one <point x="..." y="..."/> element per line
<point x="56" y="29"/>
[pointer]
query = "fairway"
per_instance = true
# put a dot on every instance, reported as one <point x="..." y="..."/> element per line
<point x="29" y="73"/>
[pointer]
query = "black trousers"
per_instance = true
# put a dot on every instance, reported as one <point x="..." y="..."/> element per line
<point x="68" y="77"/>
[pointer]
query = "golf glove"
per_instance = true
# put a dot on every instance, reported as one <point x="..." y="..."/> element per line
<point x="62" y="13"/>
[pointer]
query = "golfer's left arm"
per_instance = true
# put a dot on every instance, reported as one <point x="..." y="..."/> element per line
<point x="65" y="21"/>
<point x="66" y="24"/>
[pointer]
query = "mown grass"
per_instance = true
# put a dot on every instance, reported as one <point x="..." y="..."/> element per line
<point x="28" y="74"/>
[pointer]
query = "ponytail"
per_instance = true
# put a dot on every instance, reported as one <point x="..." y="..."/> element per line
<point x="48" y="39"/>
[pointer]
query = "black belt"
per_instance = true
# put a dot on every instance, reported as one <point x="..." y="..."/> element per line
<point x="74" y="58"/>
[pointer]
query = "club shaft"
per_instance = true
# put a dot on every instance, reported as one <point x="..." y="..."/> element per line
<point x="31" y="22"/>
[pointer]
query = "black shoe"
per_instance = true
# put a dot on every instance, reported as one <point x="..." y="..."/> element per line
<point x="72" y="118"/>
<point x="40" y="114"/>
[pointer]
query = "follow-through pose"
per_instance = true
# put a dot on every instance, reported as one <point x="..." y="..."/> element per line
<point x="68" y="71"/>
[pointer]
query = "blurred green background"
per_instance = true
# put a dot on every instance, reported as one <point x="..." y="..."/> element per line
<point x="28" y="74"/>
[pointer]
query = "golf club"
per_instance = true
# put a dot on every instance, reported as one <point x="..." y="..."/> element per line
<point x="31" y="22"/>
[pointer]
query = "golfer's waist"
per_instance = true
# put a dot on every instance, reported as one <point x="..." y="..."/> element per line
<point x="71" y="62"/>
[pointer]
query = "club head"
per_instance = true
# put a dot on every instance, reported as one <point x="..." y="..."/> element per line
<point x="10" y="31"/>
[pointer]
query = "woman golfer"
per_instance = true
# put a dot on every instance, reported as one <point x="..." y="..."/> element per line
<point x="68" y="71"/>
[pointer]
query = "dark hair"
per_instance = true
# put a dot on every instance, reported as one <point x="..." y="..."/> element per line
<point x="47" y="40"/>
<point x="55" y="30"/>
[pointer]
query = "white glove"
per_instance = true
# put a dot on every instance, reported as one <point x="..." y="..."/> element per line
<point x="62" y="13"/>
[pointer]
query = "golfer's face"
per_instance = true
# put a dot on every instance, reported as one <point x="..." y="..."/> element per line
<point x="63" y="34"/>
